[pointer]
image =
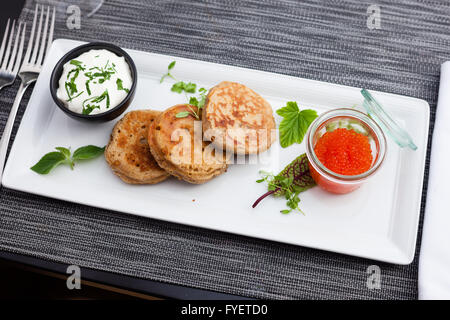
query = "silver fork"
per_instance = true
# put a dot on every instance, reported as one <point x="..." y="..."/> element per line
<point x="9" y="64"/>
<point x="28" y="73"/>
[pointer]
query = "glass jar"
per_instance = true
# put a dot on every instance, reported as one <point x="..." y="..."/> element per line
<point x="348" y="119"/>
<point x="373" y="124"/>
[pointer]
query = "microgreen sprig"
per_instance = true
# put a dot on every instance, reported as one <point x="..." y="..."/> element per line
<point x="196" y="102"/>
<point x="168" y="74"/>
<point x="290" y="182"/>
<point x="184" y="114"/>
<point x="281" y="185"/>
<point x="187" y="87"/>
<point x="181" y="86"/>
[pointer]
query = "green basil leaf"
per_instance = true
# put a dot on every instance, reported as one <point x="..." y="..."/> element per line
<point x="48" y="162"/>
<point x="87" y="152"/>
<point x="64" y="151"/>
<point x="171" y="65"/>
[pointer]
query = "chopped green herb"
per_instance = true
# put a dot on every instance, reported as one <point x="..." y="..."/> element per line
<point x="100" y="98"/>
<point x="70" y="72"/>
<point x="70" y="85"/>
<point x="69" y="89"/>
<point x="107" y="99"/>
<point x="102" y="74"/>
<point x="89" y="108"/>
<point x="120" y="86"/>
<point x="77" y="63"/>
<point x="73" y="97"/>
<point x="88" y="89"/>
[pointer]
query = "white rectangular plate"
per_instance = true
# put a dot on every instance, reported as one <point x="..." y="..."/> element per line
<point x="378" y="221"/>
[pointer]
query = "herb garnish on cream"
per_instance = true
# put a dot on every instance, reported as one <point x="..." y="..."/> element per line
<point x="94" y="82"/>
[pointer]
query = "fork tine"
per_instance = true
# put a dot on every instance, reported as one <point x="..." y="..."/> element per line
<point x="8" y="47"/>
<point x="30" y="42"/>
<point x="5" y="36"/>
<point x="38" y="36"/>
<point x="19" y="55"/>
<point x="50" y="36"/>
<point x="44" y="37"/>
<point x="14" y="51"/>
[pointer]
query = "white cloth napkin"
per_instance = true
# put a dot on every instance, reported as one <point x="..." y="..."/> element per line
<point x="434" y="263"/>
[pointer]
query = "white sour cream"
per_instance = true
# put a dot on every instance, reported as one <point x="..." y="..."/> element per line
<point x="94" y="82"/>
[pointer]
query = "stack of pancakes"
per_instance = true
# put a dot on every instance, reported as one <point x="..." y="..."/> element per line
<point x="147" y="147"/>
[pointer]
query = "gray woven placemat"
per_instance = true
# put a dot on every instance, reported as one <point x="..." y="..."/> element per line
<point x="322" y="40"/>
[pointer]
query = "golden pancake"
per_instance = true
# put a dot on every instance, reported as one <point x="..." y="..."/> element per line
<point x="238" y="119"/>
<point x="128" y="153"/>
<point x="180" y="150"/>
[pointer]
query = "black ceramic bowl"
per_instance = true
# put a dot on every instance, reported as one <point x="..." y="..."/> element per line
<point x="99" y="117"/>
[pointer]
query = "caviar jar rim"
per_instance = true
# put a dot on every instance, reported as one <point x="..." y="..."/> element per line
<point x="349" y="113"/>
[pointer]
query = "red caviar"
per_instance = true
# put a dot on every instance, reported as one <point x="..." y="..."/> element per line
<point x="344" y="151"/>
